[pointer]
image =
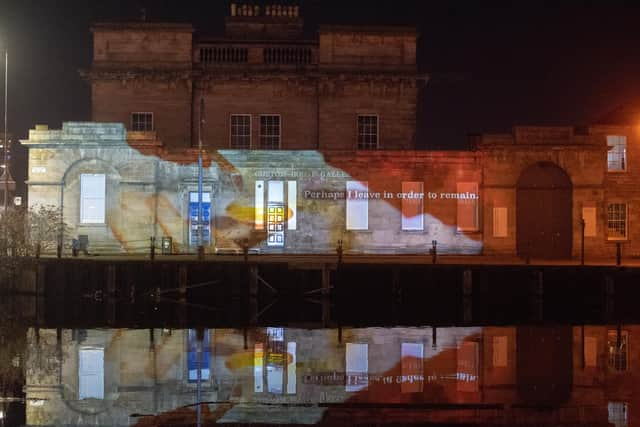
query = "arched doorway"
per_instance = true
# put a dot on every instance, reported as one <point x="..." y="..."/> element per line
<point x="543" y="212"/>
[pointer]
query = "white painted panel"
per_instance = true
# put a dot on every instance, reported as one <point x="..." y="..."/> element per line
<point x="92" y="198"/>
<point x="291" y="368"/>
<point x="357" y="207"/>
<point x="276" y="192"/>
<point x="259" y="206"/>
<point x="412" y="206"/>
<point x="292" y="201"/>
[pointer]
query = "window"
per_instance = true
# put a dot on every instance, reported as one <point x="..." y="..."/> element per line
<point x="92" y="198"/>
<point x="618" y="414"/>
<point x="589" y="217"/>
<point x="500" y="222"/>
<point x="617" y="349"/>
<point x="412" y="200"/>
<point x="590" y="352"/>
<point x="500" y="351"/>
<point x="270" y="132"/>
<point x="357" y="205"/>
<point x="616" y="153"/>
<point x="467" y="195"/>
<point x="367" y="132"/>
<point x="617" y="221"/>
<point x="142" y="121"/>
<point x="240" y="128"/>
<point x="91" y="373"/>
<point x="192" y="355"/>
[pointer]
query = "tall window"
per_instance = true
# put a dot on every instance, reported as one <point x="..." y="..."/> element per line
<point x="467" y="194"/>
<point x="240" y="131"/>
<point x="618" y="414"/>
<point x="92" y="195"/>
<point x="617" y="221"/>
<point x="617" y="349"/>
<point x="367" y="132"/>
<point x="617" y="153"/>
<point x="412" y="200"/>
<point x="142" y="121"/>
<point x="270" y="132"/>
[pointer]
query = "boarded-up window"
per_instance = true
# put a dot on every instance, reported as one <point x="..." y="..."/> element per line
<point x="259" y="205"/>
<point x="357" y="367"/>
<point x="292" y="202"/>
<point x="500" y="222"/>
<point x="411" y="368"/>
<point x="590" y="352"/>
<point x="91" y="373"/>
<point x="357" y="205"/>
<point x="500" y="358"/>
<point x="291" y="368"/>
<point x="467" y="195"/>
<point x="412" y="201"/>
<point x="589" y="217"/>
<point x="467" y="373"/>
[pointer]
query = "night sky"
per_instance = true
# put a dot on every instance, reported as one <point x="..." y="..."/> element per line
<point x="493" y="64"/>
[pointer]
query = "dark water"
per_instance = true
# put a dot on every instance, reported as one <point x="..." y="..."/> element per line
<point x="552" y="375"/>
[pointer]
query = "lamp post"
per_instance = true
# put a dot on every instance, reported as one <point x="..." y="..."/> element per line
<point x="5" y="142"/>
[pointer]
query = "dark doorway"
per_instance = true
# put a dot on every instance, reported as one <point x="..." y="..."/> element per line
<point x="543" y="212"/>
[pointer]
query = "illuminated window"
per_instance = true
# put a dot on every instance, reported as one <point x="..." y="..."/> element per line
<point x="270" y="132"/>
<point x="357" y="205"/>
<point x="92" y="198"/>
<point x="589" y="217"/>
<point x="500" y="222"/>
<point x="412" y="200"/>
<point x="367" y="132"/>
<point x="617" y="153"/>
<point x="467" y="195"/>
<point x="192" y="355"/>
<point x="500" y="351"/>
<point x="91" y="373"/>
<point x="142" y="121"/>
<point x="617" y="221"/>
<point x="618" y="414"/>
<point x="617" y="349"/>
<point x="590" y="352"/>
<point x="240" y="128"/>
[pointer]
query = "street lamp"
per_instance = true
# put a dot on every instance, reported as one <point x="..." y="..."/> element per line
<point x="5" y="142"/>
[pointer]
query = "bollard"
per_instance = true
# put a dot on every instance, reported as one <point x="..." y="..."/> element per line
<point x="38" y="248"/>
<point x="582" y="225"/>
<point x="200" y="253"/>
<point x="59" y="250"/>
<point x="618" y="253"/>
<point x="245" y="249"/>
<point x="152" y="248"/>
<point x="339" y="251"/>
<point x="434" y="251"/>
<point x="75" y="246"/>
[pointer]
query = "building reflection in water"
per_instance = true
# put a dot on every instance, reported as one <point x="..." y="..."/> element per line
<point x="566" y="375"/>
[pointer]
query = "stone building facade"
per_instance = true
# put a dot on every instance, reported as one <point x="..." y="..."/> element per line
<point x="529" y="375"/>
<point x="308" y="143"/>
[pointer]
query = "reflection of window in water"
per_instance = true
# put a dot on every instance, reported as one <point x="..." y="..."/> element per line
<point x="275" y="363"/>
<point x="357" y="366"/>
<point x="91" y="373"/>
<point x="467" y="374"/>
<point x="192" y="355"/>
<point x="618" y="414"/>
<point x="411" y="367"/>
<point x="617" y="349"/>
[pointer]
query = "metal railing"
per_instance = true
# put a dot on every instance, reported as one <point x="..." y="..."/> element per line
<point x="288" y="55"/>
<point x="223" y="55"/>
